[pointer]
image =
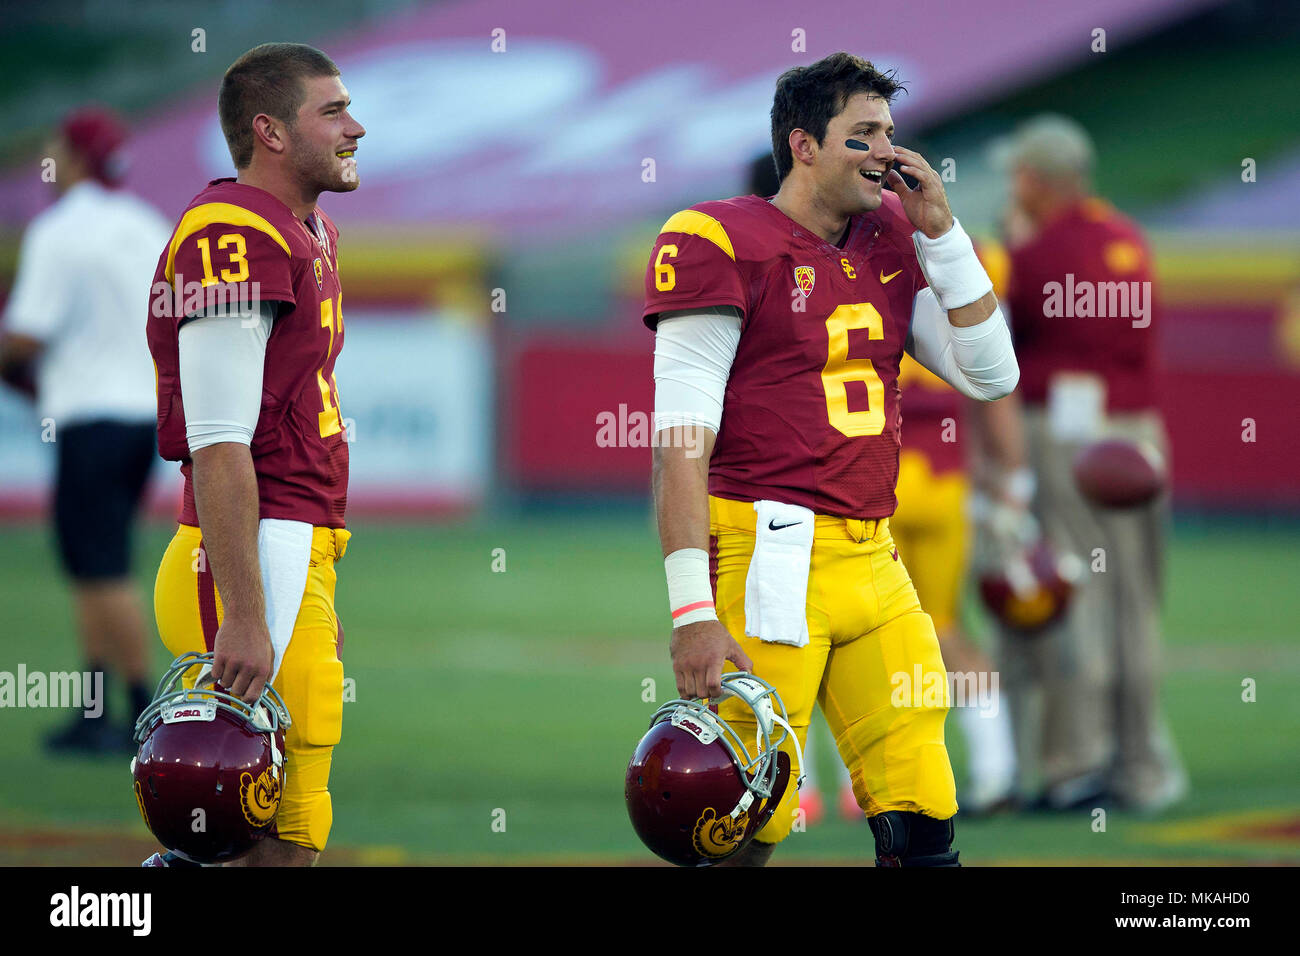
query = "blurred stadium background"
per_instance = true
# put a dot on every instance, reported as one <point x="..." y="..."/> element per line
<point x="493" y="264"/>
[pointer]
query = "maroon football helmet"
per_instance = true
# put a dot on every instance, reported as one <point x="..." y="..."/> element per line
<point x="210" y="768"/>
<point x="695" y="794"/>
<point x="1032" y="588"/>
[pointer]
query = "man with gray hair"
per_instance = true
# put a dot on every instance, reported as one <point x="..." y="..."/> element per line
<point x="1084" y="695"/>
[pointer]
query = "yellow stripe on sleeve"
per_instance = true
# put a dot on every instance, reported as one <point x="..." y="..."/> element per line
<point x="690" y="222"/>
<point x="200" y="217"/>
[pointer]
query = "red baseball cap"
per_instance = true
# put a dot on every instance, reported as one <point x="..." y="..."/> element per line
<point x="97" y="135"/>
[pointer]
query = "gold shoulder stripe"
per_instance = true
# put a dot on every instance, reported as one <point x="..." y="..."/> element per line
<point x="200" y="217"/>
<point x="693" y="223"/>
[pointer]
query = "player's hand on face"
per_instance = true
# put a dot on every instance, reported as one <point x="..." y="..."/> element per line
<point x="926" y="205"/>
<point x="243" y="658"/>
<point x="698" y="651"/>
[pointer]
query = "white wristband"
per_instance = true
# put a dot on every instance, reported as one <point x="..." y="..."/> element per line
<point x="952" y="268"/>
<point x="690" y="593"/>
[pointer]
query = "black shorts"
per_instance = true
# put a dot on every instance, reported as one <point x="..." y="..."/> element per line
<point x="103" y="467"/>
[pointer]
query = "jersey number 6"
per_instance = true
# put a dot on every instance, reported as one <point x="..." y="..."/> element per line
<point x="665" y="274"/>
<point x="840" y="371"/>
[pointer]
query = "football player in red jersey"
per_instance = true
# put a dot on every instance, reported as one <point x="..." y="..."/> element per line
<point x="245" y="327"/>
<point x="930" y="529"/>
<point x="1081" y="295"/>
<point x="780" y="326"/>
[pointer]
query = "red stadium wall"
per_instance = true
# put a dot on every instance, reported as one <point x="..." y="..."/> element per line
<point x="1221" y="364"/>
<point x="557" y="388"/>
<point x="1226" y="367"/>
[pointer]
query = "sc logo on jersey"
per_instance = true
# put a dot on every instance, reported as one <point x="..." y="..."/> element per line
<point x="848" y="268"/>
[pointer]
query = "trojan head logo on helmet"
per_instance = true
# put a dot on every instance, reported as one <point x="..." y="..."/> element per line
<point x="695" y="793"/>
<point x="210" y="768"/>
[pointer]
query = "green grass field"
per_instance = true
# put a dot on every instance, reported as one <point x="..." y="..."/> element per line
<point x="522" y="692"/>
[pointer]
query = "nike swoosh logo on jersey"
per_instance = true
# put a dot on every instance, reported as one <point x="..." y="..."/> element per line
<point x="773" y="526"/>
<point x="885" y="278"/>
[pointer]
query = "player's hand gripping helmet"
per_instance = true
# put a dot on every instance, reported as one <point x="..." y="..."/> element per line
<point x="1024" y="582"/>
<point x="1031" y="589"/>
<point x="210" y="768"/>
<point x="695" y="793"/>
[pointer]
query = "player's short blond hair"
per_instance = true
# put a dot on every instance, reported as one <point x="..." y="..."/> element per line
<point x="267" y="79"/>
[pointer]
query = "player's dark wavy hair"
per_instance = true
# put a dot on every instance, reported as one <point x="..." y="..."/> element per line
<point x="267" y="79"/>
<point x="807" y="98"/>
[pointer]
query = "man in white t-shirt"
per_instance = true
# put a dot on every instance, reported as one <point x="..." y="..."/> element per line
<point x="73" y="338"/>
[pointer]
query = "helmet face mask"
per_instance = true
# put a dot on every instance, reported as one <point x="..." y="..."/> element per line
<point x="171" y="699"/>
<point x="695" y="792"/>
<point x="209" y="771"/>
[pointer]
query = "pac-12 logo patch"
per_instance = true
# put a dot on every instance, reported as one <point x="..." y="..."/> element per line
<point x="804" y="277"/>
<point x="320" y="273"/>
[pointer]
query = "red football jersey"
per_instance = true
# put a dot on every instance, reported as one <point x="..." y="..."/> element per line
<point x="1087" y="247"/>
<point x="239" y="243"/>
<point x="811" y="411"/>
<point x="932" y="408"/>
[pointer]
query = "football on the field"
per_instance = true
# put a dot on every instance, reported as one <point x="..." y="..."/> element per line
<point x="1116" y="473"/>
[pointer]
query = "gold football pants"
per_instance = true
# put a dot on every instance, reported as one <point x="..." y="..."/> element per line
<point x="310" y="679"/>
<point x="872" y="662"/>
<point x="931" y="530"/>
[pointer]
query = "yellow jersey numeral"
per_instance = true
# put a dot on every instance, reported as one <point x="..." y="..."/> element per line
<point x="236" y="257"/>
<point x="665" y="274"/>
<point x="331" y="423"/>
<point x="840" y="370"/>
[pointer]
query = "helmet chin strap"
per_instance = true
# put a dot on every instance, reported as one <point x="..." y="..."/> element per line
<point x="747" y="799"/>
<point x="756" y="693"/>
<point x="277" y="759"/>
<point x="767" y="718"/>
<point x="205" y="676"/>
<point x="798" y="751"/>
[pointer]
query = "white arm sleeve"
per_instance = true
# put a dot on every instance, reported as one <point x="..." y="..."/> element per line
<point x="951" y="267"/>
<point x="221" y="361"/>
<point x="693" y="356"/>
<point x="978" y="360"/>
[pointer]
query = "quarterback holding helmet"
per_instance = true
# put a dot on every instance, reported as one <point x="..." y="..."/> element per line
<point x="779" y="326"/>
<point x="1030" y="588"/>
<point x="695" y="793"/>
<point x="245" y="327"/>
<point x="210" y="769"/>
